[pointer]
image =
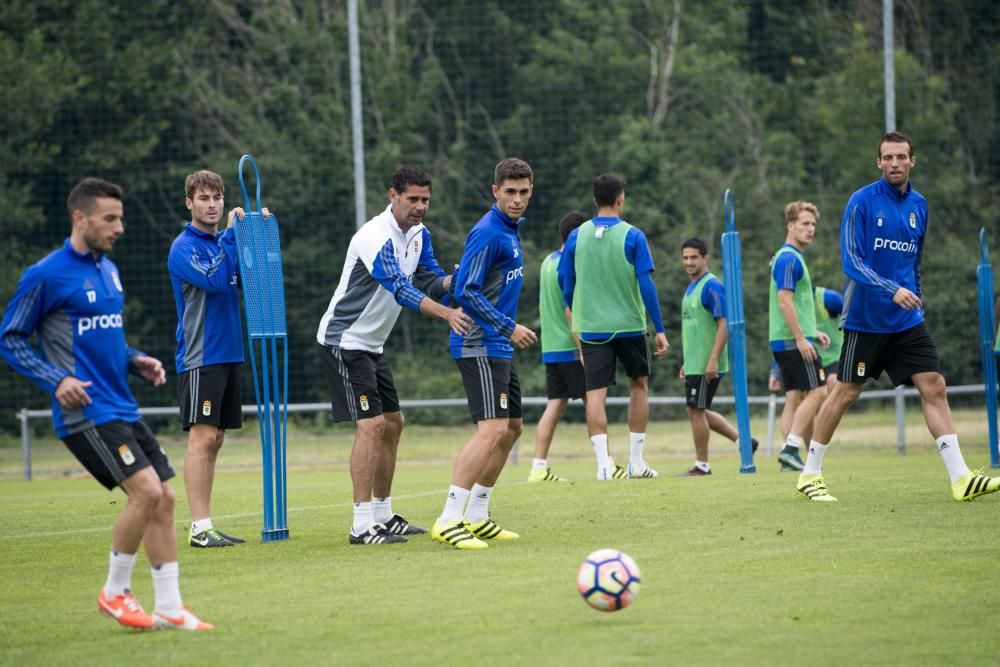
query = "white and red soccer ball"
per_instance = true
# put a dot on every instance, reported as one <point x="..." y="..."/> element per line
<point x="608" y="580"/>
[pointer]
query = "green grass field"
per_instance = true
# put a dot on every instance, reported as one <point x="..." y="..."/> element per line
<point x="736" y="568"/>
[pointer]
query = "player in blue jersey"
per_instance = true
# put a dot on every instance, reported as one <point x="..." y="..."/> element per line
<point x="564" y="378"/>
<point x="606" y="274"/>
<point x="73" y="300"/>
<point x="390" y="264"/>
<point x="487" y="286"/>
<point x="882" y="237"/>
<point x="204" y="273"/>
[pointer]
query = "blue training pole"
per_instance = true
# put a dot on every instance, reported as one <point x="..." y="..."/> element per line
<point x="264" y="300"/>
<point x="988" y="329"/>
<point x="732" y="267"/>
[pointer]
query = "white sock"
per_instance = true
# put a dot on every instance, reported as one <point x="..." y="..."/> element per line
<point x="167" y="589"/>
<point x="119" y="573"/>
<point x="539" y="464"/>
<point x="479" y="503"/>
<point x="381" y="509"/>
<point x="951" y="453"/>
<point x="814" y="462"/>
<point x="795" y="441"/>
<point x="636" y="443"/>
<point x="201" y="525"/>
<point x="703" y="466"/>
<point x="600" y="443"/>
<point x="363" y="518"/>
<point x="454" y="506"/>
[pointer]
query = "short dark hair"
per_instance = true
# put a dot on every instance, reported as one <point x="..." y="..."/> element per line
<point x="697" y="244"/>
<point x="203" y="179"/>
<point x="607" y="187"/>
<point x="895" y="137"/>
<point x="84" y="194"/>
<point x="407" y="176"/>
<point x="571" y="221"/>
<point x="512" y="168"/>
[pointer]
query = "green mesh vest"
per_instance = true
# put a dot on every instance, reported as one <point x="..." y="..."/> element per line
<point x="698" y="332"/>
<point x="606" y="298"/>
<point x="555" y="331"/>
<point x="831" y="327"/>
<point x="802" y="300"/>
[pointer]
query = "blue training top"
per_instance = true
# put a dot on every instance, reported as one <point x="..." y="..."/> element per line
<point x="637" y="254"/>
<point x="881" y="241"/>
<point x="204" y="273"/>
<point x="487" y="285"/>
<point x="74" y="302"/>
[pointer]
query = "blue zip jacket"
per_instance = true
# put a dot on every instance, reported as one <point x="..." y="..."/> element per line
<point x="74" y="303"/>
<point x="204" y="273"/>
<point x="881" y="242"/>
<point x="488" y="285"/>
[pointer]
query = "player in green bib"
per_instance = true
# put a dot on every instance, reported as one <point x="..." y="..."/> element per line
<point x="703" y="312"/>
<point x="792" y="329"/>
<point x="606" y="275"/>
<point x="564" y="377"/>
<point x="829" y="306"/>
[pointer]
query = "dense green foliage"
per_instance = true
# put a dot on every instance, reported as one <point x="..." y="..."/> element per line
<point x="778" y="100"/>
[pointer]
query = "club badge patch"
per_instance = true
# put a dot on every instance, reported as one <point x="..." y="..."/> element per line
<point x="128" y="458"/>
<point x="503" y="401"/>
<point x="117" y="281"/>
<point x="861" y="369"/>
<point x="913" y="220"/>
<point x="206" y="408"/>
<point x="363" y="400"/>
<point x="822" y="375"/>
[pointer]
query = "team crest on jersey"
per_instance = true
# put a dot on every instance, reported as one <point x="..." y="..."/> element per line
<point x="861" y="369"/>
<point x="363" y="400"/>
<point x="128" y="458"/>
<point x="117" y="281"/>
<point x="416" y="244"/>
<point x="503" y="401"/>
<point x="913" y="220"/>
<point x="91" y="296"/>
<point x="206" y="408"/>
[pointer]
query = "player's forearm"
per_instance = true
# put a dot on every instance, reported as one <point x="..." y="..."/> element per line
<point x="791" y="319"/>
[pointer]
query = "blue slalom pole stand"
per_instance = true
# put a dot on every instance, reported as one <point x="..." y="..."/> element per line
<point x="988" y="329"/>
<point x="732" y="267"/>
<point x="264" y="300"/>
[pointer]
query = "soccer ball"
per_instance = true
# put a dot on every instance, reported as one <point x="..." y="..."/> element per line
<point x="608" y="579"/>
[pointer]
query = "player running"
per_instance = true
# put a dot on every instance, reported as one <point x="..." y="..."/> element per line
<point x="74" y="300"/>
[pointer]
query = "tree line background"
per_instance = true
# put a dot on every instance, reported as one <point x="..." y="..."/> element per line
<point x="778" y="100"/>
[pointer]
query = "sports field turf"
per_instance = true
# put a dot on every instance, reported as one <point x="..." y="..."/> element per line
<point x="736" y="569"/>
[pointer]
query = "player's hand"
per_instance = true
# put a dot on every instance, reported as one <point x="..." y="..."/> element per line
<point x="72" y="393"/>
<point x="773" y="384"/>
<point x="906" y="299"/>
<point x="661" y="345"/>
<point x="681" y="374"/>
<point x="522" y="337"/>
<point x="238" y="213"/>
<point x="712" y="369"/>
<point x="806" y="349"/>
<point x="150" y="369"/>
<point x="823" y="338"/>
<point x="459" y="322"/>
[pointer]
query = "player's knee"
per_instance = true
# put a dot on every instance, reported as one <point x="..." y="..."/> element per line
<point x="372" y="427"/>
<point x="168" y="500"/>
<point x="394" y="421"/>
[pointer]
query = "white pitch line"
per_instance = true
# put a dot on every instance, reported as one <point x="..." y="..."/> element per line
<point x="247" y="515"/>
